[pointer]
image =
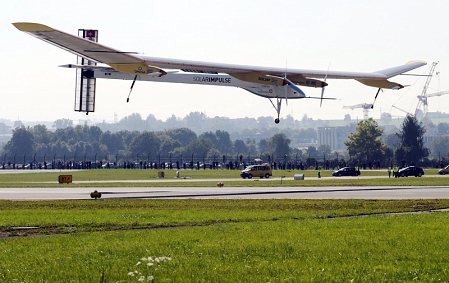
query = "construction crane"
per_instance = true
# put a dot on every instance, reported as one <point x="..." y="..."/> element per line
<point x="365" y="107"/>
<point x="406" y="112"/>
<point x="422" y="99"/>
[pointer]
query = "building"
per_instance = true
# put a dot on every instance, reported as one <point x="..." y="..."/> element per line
<point x="335" y="137"/>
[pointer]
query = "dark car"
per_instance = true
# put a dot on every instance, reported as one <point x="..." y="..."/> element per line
<point x="346" y="171"/>
<point x="411" y="171"/>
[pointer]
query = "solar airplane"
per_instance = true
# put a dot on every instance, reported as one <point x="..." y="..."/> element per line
<point x="98" y="61"/>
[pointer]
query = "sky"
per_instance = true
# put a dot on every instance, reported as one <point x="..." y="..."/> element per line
<point x="322" y="34"/>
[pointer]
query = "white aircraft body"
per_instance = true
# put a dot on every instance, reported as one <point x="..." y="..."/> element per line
<point x="268" y="82"/>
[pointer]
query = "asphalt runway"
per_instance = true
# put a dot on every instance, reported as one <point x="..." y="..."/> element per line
<point x="227" y="192"/>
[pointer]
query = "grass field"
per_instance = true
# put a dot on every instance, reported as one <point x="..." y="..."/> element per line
<point x="224" y="241"/>
<point x="232" y="240"/>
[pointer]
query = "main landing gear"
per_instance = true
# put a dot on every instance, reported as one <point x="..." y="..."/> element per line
<point x="372" y="105"/>
<point x="278" y="108"/>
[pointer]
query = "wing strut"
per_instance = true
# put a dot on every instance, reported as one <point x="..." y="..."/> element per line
<point x="131" y="89"/>
<point x="372" y="105"/>
<point x="278" y="108"/>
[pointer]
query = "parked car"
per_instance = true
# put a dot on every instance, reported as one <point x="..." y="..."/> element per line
<point x="346" y="171"/>
<point x="411" y="171"/>
<point x="108" y="165"/>
<point x="444" y="171"/>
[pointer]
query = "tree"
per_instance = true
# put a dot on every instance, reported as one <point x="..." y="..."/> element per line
<point x="220" y="139"/>
<point x="440" y="147"/>
<point x="41" y="139"/>
<point x="184" y="135"/>
<point x="281" y="145"/>
<point x="195" y="120"/>
<point x="21" y="143"/>
<point x="133" y="122"/>
<point x="60" y="148"/>
<point x="263" y="146"/>
<point x="169" y="145"/>
<point x="366" y="142"/>
<point x="411" y="149"/>
<point x="127" y="136"/>
<point x="443" y="128"/>
<point x="224" y="142"/>
<point x="199" y="146"/>
<point x="209" y="135"/>
<point x="145" y="143"/>
<point x="4" y="129"/>
<point x="392" y="141"/>
<point x="62" y="123"/>
<point x="240" y="147"/>
<point x="114" y="142"/>
<point x="324" y="149"/>
<point x="312" y="152"/>
<point x="41" y="134"/>
<point x="172" y="122"/>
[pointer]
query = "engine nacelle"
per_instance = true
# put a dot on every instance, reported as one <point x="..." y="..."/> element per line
<point x="260" y="78"/>
<point x="303" y="81"/>
<point x="381" y="84"/>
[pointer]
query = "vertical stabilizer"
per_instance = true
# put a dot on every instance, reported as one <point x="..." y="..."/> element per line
<point x="85" y="81"/>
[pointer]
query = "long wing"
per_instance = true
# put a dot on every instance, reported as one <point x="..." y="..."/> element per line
<point x="137" y="64"/>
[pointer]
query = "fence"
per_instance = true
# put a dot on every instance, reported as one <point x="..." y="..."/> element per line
<point x="160" y="161"/>
<point x="187" y="161"/>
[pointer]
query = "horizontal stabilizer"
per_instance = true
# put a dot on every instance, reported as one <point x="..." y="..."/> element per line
<point x="88" y="67"/>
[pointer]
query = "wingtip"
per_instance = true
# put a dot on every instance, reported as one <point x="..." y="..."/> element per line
<point x="31" y="27"/>
<point x="417" y="61"/>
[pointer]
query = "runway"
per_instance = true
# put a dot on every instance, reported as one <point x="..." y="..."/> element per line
<point x="62" y="193"/>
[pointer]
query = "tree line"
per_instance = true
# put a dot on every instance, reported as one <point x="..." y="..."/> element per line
<point x="405" y="147"/>
<point x="82" y="142"/>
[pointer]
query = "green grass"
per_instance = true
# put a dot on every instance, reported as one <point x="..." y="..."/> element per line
<point x="90" y="215"/>
<point x="231" y="240"/>
<point x="225" y="240"/>
<point x="137" y="174"/>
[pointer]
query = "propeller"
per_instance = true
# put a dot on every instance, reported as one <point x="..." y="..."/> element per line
<point x="324" y="84"/>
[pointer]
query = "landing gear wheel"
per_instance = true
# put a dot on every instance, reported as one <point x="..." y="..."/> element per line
<point x="278" y="108"/>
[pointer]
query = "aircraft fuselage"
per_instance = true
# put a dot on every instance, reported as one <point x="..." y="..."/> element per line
<point x="264" y="90"/>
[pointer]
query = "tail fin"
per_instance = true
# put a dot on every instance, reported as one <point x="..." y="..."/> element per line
<point x="85" y="81"/>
